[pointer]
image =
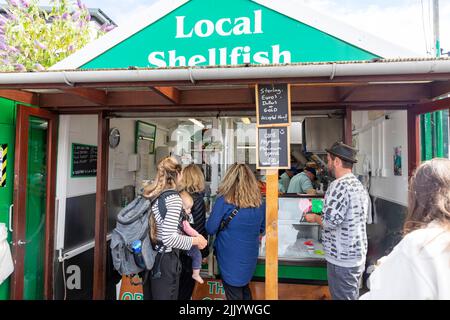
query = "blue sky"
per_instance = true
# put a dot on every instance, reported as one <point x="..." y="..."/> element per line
<point x="404" y="22"/>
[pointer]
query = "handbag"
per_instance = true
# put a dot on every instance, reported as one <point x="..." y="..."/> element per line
<point x="223" y="225"/>
<point x="131" y="288"/>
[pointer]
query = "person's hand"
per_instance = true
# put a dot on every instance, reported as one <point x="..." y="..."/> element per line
<point x="204" y="260"/>
<point x="311" y="217"/>
<point x="200" y="241"/>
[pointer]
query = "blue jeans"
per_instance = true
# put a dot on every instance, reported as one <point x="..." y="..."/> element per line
<point x="344" y="282"/>
<point x="196" y="257"/>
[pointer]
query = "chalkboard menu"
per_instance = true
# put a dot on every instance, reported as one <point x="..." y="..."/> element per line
<point x="273" y="104"/>
<point x="84" y="160"/>
<point x="273" y="148"/>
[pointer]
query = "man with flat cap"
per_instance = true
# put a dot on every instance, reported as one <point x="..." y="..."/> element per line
<point x="343" y="218"/>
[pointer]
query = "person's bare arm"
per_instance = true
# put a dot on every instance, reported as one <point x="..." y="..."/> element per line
<point x="313" y="218"/>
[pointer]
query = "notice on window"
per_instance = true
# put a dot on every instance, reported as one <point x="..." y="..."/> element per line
<point x="273" y="148"/>
<point x="273" y="104"/>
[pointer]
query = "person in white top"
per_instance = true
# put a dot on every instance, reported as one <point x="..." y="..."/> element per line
<point x="418" y="268"/>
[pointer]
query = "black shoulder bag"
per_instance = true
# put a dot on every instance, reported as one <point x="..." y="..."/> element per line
<point x="224" y="224"/>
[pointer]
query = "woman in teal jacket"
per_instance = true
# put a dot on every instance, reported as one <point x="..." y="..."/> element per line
<point x="237" y="245"/>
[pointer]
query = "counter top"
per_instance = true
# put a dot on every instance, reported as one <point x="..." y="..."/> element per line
<point x="296" y="195"/>
<point x="309" y="262"/>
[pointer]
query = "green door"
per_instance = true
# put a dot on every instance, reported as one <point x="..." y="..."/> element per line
<point x="7" y="137"/>
<point x="34" y="198"/>
<point x="35" y="207"/>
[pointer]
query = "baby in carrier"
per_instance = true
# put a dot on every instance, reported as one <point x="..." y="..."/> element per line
<point x="194" y="252"/>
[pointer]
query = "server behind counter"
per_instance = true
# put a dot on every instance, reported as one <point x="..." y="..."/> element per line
<point x="302" y="183"/>
<point x="285" y="179"/>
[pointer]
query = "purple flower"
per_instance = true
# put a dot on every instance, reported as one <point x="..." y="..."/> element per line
<point x="13" y="50"/>
<point x="25" y="3"/>
<point x="40" y="45"/>
<point x="79" y="4"/>
<point x="65" y="16"/>
<point x="3" y="46"/>
<point x="71" y="47"/>
<point x="19" y="67"/>
<point x="39" y="67"/>
<point x="13" y="3"/>
<point x="5" y="61"/>
<point x="76" y="16"/>
<point x="110" y="27"/>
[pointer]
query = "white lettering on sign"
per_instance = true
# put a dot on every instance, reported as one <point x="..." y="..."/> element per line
<point x="224" y="27"/>
<point x="222" y="56"/>
<point x="206" y="28"/>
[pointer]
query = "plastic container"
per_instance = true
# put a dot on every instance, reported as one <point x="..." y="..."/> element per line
<point x="137" y="253"/>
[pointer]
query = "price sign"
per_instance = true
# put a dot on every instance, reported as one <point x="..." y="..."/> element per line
<point x="273" y="105"/>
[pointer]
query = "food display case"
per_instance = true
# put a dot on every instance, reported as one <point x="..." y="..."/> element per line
<point x="300" y="251"/>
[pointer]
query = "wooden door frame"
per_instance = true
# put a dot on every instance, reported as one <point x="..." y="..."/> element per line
<point x="20" y="183"/>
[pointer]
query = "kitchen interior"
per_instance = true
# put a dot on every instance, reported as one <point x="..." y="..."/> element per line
<point x="214" y="143"/>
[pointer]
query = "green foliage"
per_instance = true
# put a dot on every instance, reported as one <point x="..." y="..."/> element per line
<point x="33" y="40"/>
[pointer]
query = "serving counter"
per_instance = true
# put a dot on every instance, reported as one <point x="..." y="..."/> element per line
<point x="300" y="251"/>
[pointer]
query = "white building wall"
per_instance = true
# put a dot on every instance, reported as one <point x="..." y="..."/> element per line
<point x="376" y="138"/>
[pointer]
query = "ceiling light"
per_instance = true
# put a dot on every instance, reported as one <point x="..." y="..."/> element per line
<point x="246" y="120"/>
<point x="198" y="123"/>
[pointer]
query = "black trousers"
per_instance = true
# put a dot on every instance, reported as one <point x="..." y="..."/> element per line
<point x="237" y="293"/>
<point x="166" y="287"/>
<point x="187" y="284"/>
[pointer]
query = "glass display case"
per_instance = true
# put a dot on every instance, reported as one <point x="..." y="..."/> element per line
<point x="298" y="240"/>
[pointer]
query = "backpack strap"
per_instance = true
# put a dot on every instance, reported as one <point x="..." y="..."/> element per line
<point x="162" y="202"/>
<point x="162" y="210"/>
<point x="224" y="223"/>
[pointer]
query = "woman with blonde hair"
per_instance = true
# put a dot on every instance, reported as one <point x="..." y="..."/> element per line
<point x="192" y="182"/>
<point x="237" y="219"/>
<point x="167" y="235"/>
<point x="419" y="266"/>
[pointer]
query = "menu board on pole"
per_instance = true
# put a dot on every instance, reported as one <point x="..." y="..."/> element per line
<point x="273" y="148"/>
<point x="273" y="104"/>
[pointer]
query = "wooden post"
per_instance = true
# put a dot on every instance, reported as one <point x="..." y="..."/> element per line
<point x="272" y="235"/>
<point x="348" y="127"/>
<point x="101" y="212"/>
<point x="413" y="141"/>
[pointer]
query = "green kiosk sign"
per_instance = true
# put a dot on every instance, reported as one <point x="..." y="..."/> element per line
<point x="233" y="32"/>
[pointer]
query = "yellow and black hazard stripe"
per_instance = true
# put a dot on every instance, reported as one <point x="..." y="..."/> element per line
<point x="3" y="164"/>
